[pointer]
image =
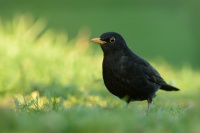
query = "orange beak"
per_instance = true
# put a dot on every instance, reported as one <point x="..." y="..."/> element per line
<point x="98" y="40"/>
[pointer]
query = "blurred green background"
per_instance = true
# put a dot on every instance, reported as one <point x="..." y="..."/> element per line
<point x="51" y="75"/>
<point x="155" y="29"/>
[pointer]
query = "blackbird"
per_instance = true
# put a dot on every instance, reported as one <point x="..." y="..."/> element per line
<point x="126" y="74"/>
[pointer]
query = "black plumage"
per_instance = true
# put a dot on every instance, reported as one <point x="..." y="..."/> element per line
<point x="127" y="75"/>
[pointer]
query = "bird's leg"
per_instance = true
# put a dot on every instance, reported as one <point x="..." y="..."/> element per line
<point x="149" y="105"/>
<point x="127" y="105"/>
<point x="127" y="100"/>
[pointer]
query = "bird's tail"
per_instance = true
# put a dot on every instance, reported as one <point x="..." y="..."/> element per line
<point x="167" y="87"/>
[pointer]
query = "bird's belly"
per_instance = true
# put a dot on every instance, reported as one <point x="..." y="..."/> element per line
<point x="122" y="89"/>
<point x="115" y="88"/>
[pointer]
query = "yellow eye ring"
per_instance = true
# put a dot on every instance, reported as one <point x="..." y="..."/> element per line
<point x="112" y="40"/>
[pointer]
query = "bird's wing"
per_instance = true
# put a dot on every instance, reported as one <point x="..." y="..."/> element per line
<point x="139" y="71"/>
<point x="153" y="76"/>
<point x="150" y="72"/>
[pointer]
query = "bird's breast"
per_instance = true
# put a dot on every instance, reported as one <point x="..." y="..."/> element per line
<point x="113" y="77"/>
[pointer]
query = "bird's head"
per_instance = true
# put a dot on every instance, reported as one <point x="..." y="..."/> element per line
<point x="110" y="42"/>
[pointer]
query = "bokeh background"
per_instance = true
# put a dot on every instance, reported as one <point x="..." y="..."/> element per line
<point x="50" y="72"/>
<point x="154" y="29"/>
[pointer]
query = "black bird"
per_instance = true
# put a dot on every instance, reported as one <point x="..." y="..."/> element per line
<point x="127" y="75"/>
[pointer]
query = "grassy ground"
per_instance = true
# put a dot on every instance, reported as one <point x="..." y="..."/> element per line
<point x="52" y="84"/>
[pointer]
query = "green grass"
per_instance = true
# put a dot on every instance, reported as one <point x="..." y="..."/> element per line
<point x="52" y="84"/>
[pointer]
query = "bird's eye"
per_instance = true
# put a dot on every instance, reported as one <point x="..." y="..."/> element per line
<point x="112" y="39"/>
